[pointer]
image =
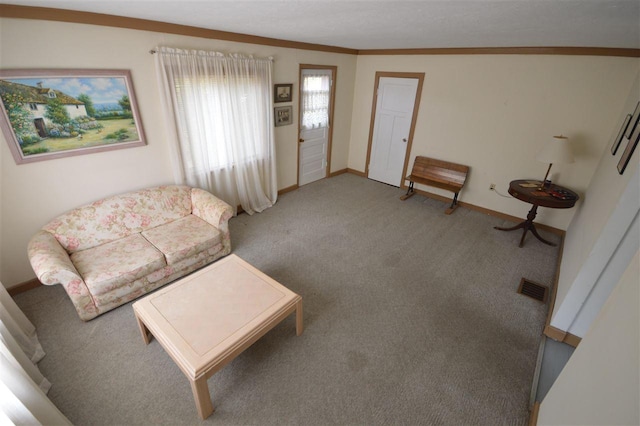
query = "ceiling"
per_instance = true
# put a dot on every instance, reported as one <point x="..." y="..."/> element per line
<point x="394" y="24"/>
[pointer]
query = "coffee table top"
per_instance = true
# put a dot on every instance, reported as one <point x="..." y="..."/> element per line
<point x="203" y="318"/>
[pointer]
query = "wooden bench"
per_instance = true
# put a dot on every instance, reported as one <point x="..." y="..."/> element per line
<point x="440" y="174"/>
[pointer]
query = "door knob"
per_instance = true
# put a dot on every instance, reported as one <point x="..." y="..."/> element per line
<point x="301" y="140"/>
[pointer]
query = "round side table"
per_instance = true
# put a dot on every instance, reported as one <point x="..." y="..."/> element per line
<point x="529" y="191"/>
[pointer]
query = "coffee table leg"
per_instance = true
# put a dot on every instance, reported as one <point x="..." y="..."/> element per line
<point x="202" y="397"/>
<point x="144" y="330"/>
<point x="299" y="319"/>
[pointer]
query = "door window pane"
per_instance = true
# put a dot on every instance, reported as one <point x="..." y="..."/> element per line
<point x="315" y="100"/>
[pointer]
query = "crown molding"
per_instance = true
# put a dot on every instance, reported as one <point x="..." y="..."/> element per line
<point x="551" y="50"/>
<point x="78" y="17"/>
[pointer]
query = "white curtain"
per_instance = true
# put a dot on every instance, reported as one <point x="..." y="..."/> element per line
<point x="218" y="111"/>
<point x="316" y="88"/>
<point x="23" y="388"/>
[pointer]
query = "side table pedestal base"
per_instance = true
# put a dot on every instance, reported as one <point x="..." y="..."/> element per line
<point x="526" y="226"/>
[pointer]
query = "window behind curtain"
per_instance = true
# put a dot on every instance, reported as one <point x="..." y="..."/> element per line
<point x="219" y="117"/>
<point x="226" y="92"/>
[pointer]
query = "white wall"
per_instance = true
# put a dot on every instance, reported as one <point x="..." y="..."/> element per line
<point x="32" y="194"/>
<point x="607" y="280"/>
<point x="598" y="298"/>
<point x="494" y="112"/>
<point x="600" y="385"/>
<point x="603" y="226"/>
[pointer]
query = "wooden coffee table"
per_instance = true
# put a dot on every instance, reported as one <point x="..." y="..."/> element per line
<point x="208" y="318"/>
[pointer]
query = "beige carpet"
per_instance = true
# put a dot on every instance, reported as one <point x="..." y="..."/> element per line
<point x="412" y="317"/>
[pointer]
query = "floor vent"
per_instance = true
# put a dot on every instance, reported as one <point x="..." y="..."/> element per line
<point x="533" y="290"/>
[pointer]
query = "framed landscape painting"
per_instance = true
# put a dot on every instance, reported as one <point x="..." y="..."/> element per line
<point x="48" y="114"/>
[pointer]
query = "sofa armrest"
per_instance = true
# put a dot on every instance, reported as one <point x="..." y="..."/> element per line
<point x="211" y="209"/>
<point x="216" y="212"/>
<point x="50" y="260"/>
<point x="52" y="265"/>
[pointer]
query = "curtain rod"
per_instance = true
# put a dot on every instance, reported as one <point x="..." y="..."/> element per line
<point x="270" y="58"/>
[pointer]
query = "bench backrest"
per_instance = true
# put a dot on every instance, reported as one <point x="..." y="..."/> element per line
<point x="439" y="171"/>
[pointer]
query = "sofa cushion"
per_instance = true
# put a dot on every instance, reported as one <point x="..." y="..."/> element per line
<point x="182" y="238"/>
<point x="112" y="265"/>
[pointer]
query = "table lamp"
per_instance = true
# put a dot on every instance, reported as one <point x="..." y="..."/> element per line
<point x="557" y="150"/>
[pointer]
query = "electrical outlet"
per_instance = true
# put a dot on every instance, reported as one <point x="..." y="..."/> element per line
<point x="492" y="187"/>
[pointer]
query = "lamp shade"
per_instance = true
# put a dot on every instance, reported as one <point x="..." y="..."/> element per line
<point x="557" y="150"/>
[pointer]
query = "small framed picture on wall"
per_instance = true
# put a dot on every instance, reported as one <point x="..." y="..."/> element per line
<point x="282" y="92"/>
<point x="621" y="133"/>
<point x="283" y="115"/>
<point x="628" y="151"/>
<point x="634" y="122"/>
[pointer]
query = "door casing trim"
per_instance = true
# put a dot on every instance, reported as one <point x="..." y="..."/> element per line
<point x="416" y="106"/>
<point x="332" y="96"/>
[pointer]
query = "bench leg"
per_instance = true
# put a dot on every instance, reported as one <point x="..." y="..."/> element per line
<point x="454" y="204"/>
<point x="409" y="193"/>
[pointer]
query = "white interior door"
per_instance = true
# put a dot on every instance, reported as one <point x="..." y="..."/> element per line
<point x="313" y="155"/>
<point x="392" y="124"/>
<point x="315" y="104"/>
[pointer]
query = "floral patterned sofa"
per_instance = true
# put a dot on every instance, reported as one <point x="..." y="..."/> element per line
<point x="114" y="250"/>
